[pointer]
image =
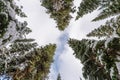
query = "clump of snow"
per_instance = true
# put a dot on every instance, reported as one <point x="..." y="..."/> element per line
<point x="100" y="57"/>
<point x="11" y="11"/>
<point x="22" y="66"/>
<point x="11" y="33"/>
<point x="58" y="5"/>
<point x="107" y="41"/>
<point x="118" y="65"/>
<point x="5" y="77"/>
<point x="94" y="45"/>
<point x="111" y="72"/>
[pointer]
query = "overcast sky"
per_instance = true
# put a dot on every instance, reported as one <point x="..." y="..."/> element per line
<point x="44" y="31"/>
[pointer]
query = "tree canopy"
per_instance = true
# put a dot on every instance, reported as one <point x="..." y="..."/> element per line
<point x="100" y="57"/>
<point x="107" y="8"/>
<point x="60" y="11"/>
<point x="22" y="58"/>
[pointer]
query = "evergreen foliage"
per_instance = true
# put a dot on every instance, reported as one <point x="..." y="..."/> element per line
<point x="87" y="6"/>
<point x="60" y="11"/>
<point x="10" y="28"/>
<point x="111" y="28"/>
<point x="99" y="62"/>
<point x="59" y="77"/>
<point x="26" y="61"/>
<point x="100" y="57"/>
<point x="22" y="59"/>
<point x="107" y="7"/>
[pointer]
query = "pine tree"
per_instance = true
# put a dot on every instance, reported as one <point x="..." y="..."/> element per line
<point x="10" y="28"/>
<point x="99" y="62"/>
<point x="107" y="30"/>
<point x="23" y="59"/>
<point x="108" y="8"/>
<point x="87" y="6"/>
<point x="100" y="57"/>
<point x="27" y="64"/>
<point x="38" y="64"/>
<point x="60" y="11"/>
<point x="59" y="77"/>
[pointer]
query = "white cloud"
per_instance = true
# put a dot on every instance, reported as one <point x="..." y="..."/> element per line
<point x="69" y="66"/>
<point x="78" y="29"/>
<point x="43" y="28"/>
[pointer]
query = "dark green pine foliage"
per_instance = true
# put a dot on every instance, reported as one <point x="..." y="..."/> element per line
<point x="87" y="6"/>
<point x="59" y="77"/>
<point x="107" y="8"/>
<point x="26" y="61"/>
<point x="3" y="19"/>
<point x="22" y="59"/>
<point x="100" y="57"/>
<point x="10" y="27"/>
<point x="8" y="10"/>
<point x="99" y="62"/>
<point x="60" y="11"/>
<point x="110" y="28"/>
<point x="22" y="45"/>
